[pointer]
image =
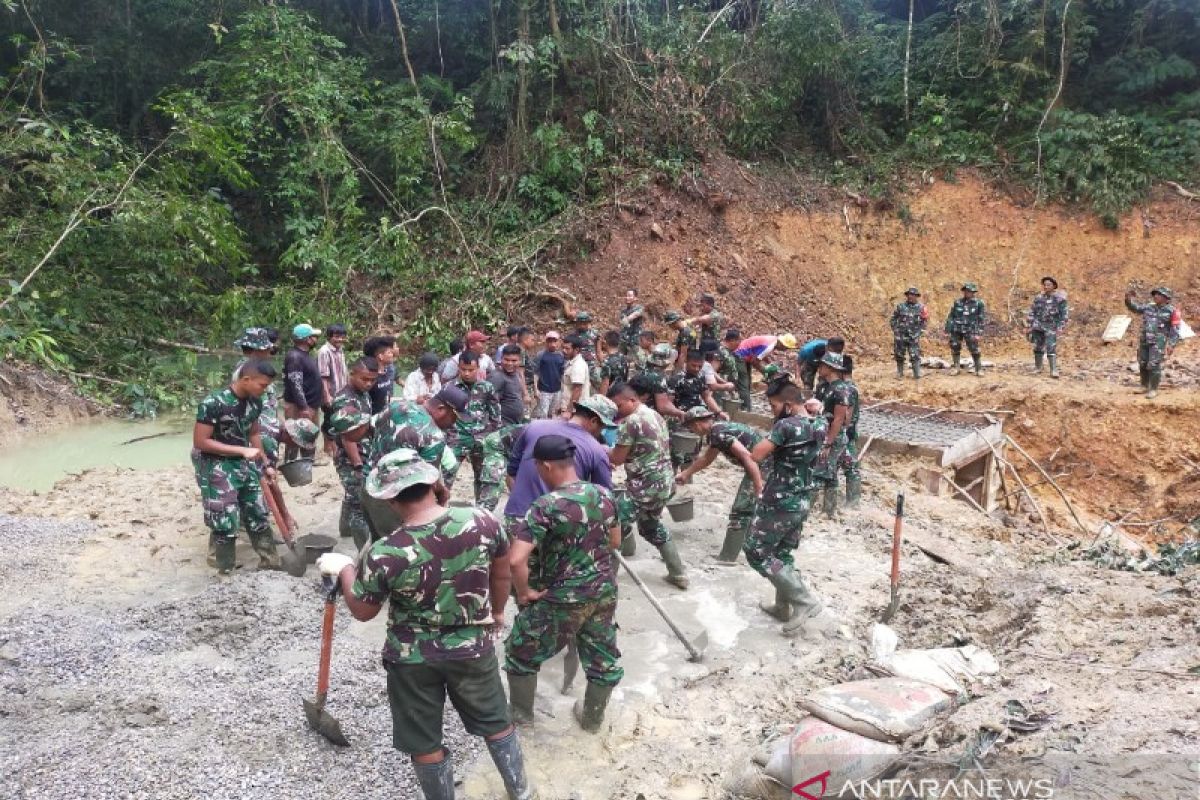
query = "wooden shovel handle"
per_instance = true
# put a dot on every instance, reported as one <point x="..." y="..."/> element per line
<point x="269" y="496"/>
<point x="326" y="649"/>
<point x="897" y="536"/>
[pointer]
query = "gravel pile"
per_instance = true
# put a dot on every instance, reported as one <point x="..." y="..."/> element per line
<point x="184" y="699"/>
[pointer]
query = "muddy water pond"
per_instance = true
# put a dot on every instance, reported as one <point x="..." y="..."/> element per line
<point x="37" y="463"/>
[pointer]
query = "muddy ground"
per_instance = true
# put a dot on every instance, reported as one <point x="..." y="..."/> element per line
<point x="119" y="646"/>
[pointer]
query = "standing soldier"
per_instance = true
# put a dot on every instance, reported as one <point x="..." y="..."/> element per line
<point x="348" y="423"/>
<point x="614" y="368"/>
<point x="496" y="449"/>
<point x="588" y="335"/>
<point x="735" y="441"/>
<point x="1047" y="318"/>
<point x="652" y="382"/>
<point x="444" y="574"/>
<point x="632" y="317"/>
<point x="641" y="355"/>
<point x="908" y="326"/>
<point x="574" y="529"/>
<point x="792" y="445"/>
<point x="735" y="368"/>
<point x="481" y="417"/>
<point x="841" y="405"/>
<point x="227" y="454"/>
<point x="690" y="391"/>
<point x="642" y="446"/>
<point x="685" y="336"/>
<point x="1160" y="334"/>
<point x="708" y="323"/>
<point x="965" y="323"/>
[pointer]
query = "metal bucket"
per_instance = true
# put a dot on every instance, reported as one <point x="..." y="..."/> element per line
<point x="684" y="444"/>
<point x="298" y="472"/>
<point x="315" y="545"/>
<point x="681" y="509"/>
<point x="730" y="404"/>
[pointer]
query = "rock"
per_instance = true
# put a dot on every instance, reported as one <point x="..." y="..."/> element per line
<point x="656" y="232"/>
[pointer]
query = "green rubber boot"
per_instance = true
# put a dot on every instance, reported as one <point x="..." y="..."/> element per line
<point x="1037" y="362"/>
<point x="226" y="554"/>
<point x="782" y="610"/>
<point x="978" y="363"/>
<point x="263" y="543"/>
<point x="212" y="550"/>
<point x="853" y="492"/>
<point x="954" y="359"/>
<point x="917" y="370"/>
<point x="1152" y="389"/>
<point x="628" y="544"/>
<point x="805" y="603"/>
<point x="1143" y="378"/>
<point x="676" y="575"/>
<point x="1053" y="366"/>
<point x="510" y="763"/>
<point x="521" y="691"/>
<point x="590" y="710"/>
<point x="900" y="368"/>
<point x="436" y="780"/>
<point x="731" y="548"/>
<point x="829" y="501"/>
<point x="344" y="521"/>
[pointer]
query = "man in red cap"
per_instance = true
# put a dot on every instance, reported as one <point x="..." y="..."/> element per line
<point x="475" y="341"/>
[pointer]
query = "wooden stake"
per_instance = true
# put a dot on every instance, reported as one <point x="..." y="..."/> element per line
<point x="1046" y="475"/>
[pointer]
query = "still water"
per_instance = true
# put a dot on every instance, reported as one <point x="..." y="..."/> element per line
<point x="38" y="462"/>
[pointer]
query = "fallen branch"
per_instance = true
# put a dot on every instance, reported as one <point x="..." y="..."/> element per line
<point x="1020" y="482"/>
<point x="1146" y="670"/>
<point x="1046" y="475"/>
<point x="90" y="377"/>
<point x="144" y="438"/>
<point x="716" y="18"/>
<point x="1182" y="192"/>
<point x="965" y="495"/>
<point x="1150" y="524"/>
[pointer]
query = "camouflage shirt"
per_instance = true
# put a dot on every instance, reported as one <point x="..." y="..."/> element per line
<point x="842" y="392"/>
<point x="570" y="527"/>
<point x="590" y="337"/>
<point x="482" y="415"/>
<point x="268" y="421"/>
<point x="724" y="434"/>
<point x="1157" y="321"/>
<point x="436" y="578"/>
<point x="909" y="320"/>
<point x="232" y="419"/>
<point x="688" y="389"/>
<point x="685" y="339"/>
<point x="499" y="444"/>
<point x="1048" y="313"/>
<point x="797" y="443"/>
<point x="615" y="368"/>
<point x="654" y="380"/>
<point x="347" y="397"/>
<point x="711" y="330"/>
<point x="729" y="369"/>
<point x="641" y="360"/>
<point x="966" y="316"/>
<point x="645" y="433"/>
<point x="631" y="331"/>
<point x="405" y="424"/>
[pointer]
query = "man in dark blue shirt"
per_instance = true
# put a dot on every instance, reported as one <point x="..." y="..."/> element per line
<point x="549" y="369"/>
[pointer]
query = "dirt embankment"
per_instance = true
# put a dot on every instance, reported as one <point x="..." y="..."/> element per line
<point x="33" y="401"/>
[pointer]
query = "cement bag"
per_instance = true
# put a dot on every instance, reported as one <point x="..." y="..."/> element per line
<point x="752" y="783"/>
<point x="951" y="669"/>
<point x="885" y="709"/>
<point x="820" y="759"/>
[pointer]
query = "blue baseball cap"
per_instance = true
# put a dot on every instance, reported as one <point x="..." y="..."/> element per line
<point x="303" y="331"/>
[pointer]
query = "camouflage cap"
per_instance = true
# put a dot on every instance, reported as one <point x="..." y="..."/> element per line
<point x="697" y="412"/>
<point x="913" y="290"/>
<point x="672" y="316"/>
<point x="1163" y="290"/>
<point x="302" y="431"/>
<point x="583" y="316"/>
<point x="602" y="407"/>
<point x="834" y="360"/>
<point x="662" y="354"/>
<point x="970" y="287"/>
<point x="254" y="339"/>
<point x="397" y="471"/>
<point x="346" y="419"/>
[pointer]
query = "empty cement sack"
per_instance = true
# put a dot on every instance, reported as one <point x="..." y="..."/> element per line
<point x="951" y="669"/>
<point x="884" y="709"/>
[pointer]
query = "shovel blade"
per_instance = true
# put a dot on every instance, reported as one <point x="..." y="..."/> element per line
<point x="293" y="563"/>
<point x="321" y="722"/>
<point x="699" y="645"/>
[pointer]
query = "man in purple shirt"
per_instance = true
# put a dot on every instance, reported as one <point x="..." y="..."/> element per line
<point x="591" y="417"/>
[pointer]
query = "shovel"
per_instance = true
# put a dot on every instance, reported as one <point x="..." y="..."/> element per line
<point x="696" y="647"/>
<point x="293" y="564"/>
<point x="318" y="718"/>
<point x="897" y="537"/>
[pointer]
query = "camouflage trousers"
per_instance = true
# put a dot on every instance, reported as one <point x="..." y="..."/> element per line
<point x="956" y="342"/>
<point x="231" y="493"/>
<point x="842" y="457"/>
<point x="543" y="629"/>
<point x="775" y="532"/>
<point x="1152" y="354"/>
<point x="467" y="450"/>
<point x="742" y="512"/>
<point x="904" y="347"/>
<point x="1044" y="342"/>
<point x="742" y="381"/>
<point x="353" y="520"/>
<point x="491" y="481"/>
<point x="642" y="504"/>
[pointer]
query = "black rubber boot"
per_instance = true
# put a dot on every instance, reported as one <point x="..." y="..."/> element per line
<point x="782" y="610"/>
<point x="226" y="558"/>
<point x="954" y="358"/>
<point x="1053" y="366"/>
<point x="676" y="575"/>
<point x="978" y="362"/>
<point x="1144" y="377"/>
<point x="853" y="492"/>
<point x="1037" y="361"/>
<point x="510" y="763"/>
<point x="212" y="550"/>
<point x="1152" y="389"/>
<point x="521" y="691"/>
<point x="916" y="370"/>
<point x="263" y="543"/>
<point x="899" y="367"/>
<point x="436" y="780"/>
<point x="829" y="501"/>
<point x="589" y="711"/>
<point x="731" y="548"/>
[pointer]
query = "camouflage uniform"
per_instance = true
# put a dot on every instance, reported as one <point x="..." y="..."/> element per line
<point x="575" y="566"/>
<point x="641" y="362"/>
<point x="687" y="392"/>
<point x="269" y="426"/>
<point x="591" y="341"/>
<point x="908" y="325"/>
<point x="631" y="332"/>
<point x="481" y="417"/>
<point x="722" y="437"/>
<point x="1160" y="330"/>
<point x="740" y="375"/>
<point x="615" y="369"/>
<point x="685" y="339"/>
<point x="710" y="332"/>
<point x="1047" y="318"/>
<point x="649" y="479"/>
<point x="231" y="487"/>
<point x="496" y="448"/>
<point x="965" y="324"/>
<point x="403" y="424"/>
<point x="352" y="521"/>
<point x="843" y="455"/>
<point x="783" y="509"/>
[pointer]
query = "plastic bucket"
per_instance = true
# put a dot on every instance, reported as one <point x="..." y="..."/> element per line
<point x="315" y="545"/>
<point x="298" y="472"/>
<point x="684" y="444"/>
<point x="681" y="509"/>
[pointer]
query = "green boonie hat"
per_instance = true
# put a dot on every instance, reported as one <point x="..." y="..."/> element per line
<point x="1163" y="290"/>
<point x="970" y="287"/>
<point x="662" y="354"/>
<point x="913" y="290"/>
<point x="303" y="431"/>
<point x="583" y="316"/>
<point x="672" y="316"/>
<point x="602" y="407"/>
<point x="397" y="471"/>
<point x="834" y="360"/>
<point x="347" y="419"/>
<point x="254" y="339"/>
<point x="698" y="412"/>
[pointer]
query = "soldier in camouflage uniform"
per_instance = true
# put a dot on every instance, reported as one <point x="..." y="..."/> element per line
<point x="708" y="323"/>
<point x="496" y="449"/>
<point x="1047" y="317"/>
<point x="841" y="406"/>
<point x="686" y="338"/>
<point x="965" y="324"/>
<point x="614" y="367"/>
<point x="736" y="369"/>
<point x="1160" y="334"/>
<point x="651" y="383"/>
<point x="352" y="407"/>
<point x="690" y="391"/>
<point x="632" y="315"/>
<point x="444" y="575"/>
<point x="641" y="356"/>
<point x="642" y="446"/>
<point x="735" y="441"/>
<point x="575" y="529"/>
<point x="588" y="335"/>
<point x="481" y="417"/>
<point x="227" y="455"/>
<point x="908" y="326"/>
<point x="792" y="445"/>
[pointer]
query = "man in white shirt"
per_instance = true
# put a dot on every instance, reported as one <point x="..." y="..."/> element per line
<point x="423" y="382"/>
<point x="577" y="381"/>
<point x="476" y="341"/>
<point x="331" y="364"/>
